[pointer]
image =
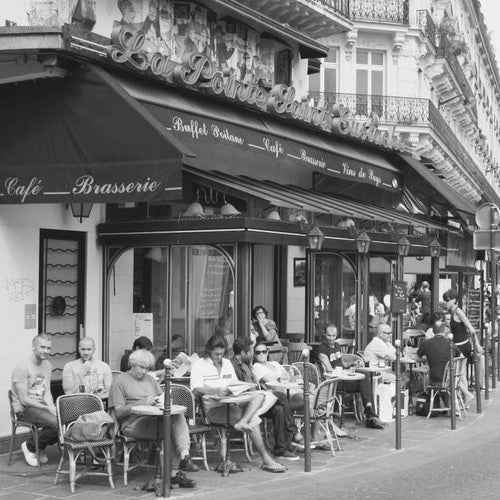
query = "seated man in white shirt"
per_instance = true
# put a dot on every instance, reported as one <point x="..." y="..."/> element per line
<point x="210" y="377"/>
<point x="87" y="374"/>
<point x="380" y="352"/>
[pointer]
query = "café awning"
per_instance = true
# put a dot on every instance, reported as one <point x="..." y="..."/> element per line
<point x="287" y="196"/>
<point x="83" y="138"/>
<point x="239" y="141"/>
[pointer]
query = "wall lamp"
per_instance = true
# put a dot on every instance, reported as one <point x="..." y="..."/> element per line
<point x="81" y="210"/>
<point x="403" y="246"/>
<point x="435" y="248"/>
<point x="363" y="242"/>
<point x="315" y="237"/>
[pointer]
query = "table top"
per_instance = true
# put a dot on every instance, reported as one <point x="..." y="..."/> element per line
<point x="345" y="375"/>
<point x="156" y="411"/>
<point x="408" y="361"/>
<point x="241" y="398"/>
<point x="372" y="369"/>
<point x="283" y="385"/>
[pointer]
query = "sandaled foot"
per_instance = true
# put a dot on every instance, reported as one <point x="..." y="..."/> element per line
<point x="242" y="427"/>
<point x="274" y="467"/>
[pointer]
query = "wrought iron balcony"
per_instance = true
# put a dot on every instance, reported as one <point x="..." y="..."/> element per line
<point x="380" y="11"/>
<point x="428" y="27"/>
<point x="315" y="18"/>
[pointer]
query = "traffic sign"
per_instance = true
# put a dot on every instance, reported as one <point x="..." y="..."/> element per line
<point x="486" y="240"/>
<point x="487" y="216"/>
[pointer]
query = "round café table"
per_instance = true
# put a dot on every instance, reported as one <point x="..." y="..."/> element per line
<point x="344" y="376"/>
<point x="288" y="386"/>
<point x="372" y="370"/>
<point x="227" y="466"/>
<point x="156" y="411"/>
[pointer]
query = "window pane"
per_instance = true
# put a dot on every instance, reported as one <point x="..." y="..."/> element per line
<point x="361" y="57"/>
<point x="361" y="81"/>
<point x="331" y="80"/>
<point x="332" y="56"/>
<point x="377" y="58"/>
<point x="315" y="82"/>
<point x="377" y="83"/>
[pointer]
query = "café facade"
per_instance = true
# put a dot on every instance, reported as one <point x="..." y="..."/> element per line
<point x="163" y="178"/>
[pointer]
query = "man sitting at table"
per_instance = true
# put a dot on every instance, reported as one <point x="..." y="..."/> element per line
<point x="330" y="357"/>
<point x="210" y="377"/>
<point x="134" y="388"/>
<point x="380" y="352"/>
<point x="87" y="374"/>
<point x="284" y="427"/>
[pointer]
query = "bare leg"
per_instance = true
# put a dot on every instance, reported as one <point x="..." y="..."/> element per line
<point x="259" y="446"/>
<point x="243" y="425"/>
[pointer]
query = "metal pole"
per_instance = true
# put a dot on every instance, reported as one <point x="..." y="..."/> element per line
<point x="397" y="343"/>
<point x="452" y="385"/>
<point x="166" y="432"/>
<point x="307" y="420"/>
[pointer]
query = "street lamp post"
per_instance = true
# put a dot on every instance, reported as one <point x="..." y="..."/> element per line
<point x="403" y="249"/>
<point x="435" y="251"/>
<point x="363" y="242"/>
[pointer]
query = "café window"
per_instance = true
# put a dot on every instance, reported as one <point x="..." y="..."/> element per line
<point x="177" y="296"/>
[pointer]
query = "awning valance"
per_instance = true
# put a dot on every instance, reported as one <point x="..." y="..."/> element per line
<point x="284" y="195"/>
<point x="83" y="138"/>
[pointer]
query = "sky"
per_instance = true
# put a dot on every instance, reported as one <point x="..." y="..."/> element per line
<point x="15" y="10"/>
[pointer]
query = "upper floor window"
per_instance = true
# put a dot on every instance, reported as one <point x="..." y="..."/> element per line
<point x="370" y="87"/>
<point x="327" y="79"/>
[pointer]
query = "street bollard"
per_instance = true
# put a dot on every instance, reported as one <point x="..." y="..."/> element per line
<point x="307" y="420"/>
<point x="397" y="343"/>
<point x="452" y="384"/>
<point x="166" y="433"/>
<point x="475" y="358"/>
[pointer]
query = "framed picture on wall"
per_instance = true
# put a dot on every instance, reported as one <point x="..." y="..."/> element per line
<point x="299" y="272"/>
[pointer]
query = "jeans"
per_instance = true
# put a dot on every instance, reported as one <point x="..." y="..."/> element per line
<point x="46" y="420"/>
<point x="283" y="423"/>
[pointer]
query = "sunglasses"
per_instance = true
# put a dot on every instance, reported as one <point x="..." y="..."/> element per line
<point x="260" y="352"/>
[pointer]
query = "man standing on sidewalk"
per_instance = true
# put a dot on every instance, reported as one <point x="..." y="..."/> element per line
<point x="87" y="374"/>
<point x="32" y="399"/>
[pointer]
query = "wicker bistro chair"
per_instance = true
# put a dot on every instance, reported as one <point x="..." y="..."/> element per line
<point x="346" y="345"/>
<point x="69" y="407"/>
<point x="312" y="372"/>
<point x="322" y="405"/>
<point x="15" y="423"/>
<point x="443" y="388"/>
<point x="181" y="395"/>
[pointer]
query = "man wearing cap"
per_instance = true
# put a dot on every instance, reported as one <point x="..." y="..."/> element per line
<point x="380" y="352"/>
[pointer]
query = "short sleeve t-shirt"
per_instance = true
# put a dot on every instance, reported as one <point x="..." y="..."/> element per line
<point x="36" y="377"/>
<point x="333" y="354"/>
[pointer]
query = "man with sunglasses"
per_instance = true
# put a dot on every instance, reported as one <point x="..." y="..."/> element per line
<point x="284" y="427"/>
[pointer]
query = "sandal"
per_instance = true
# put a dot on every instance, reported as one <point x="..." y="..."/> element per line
<point x="274" y="468"/>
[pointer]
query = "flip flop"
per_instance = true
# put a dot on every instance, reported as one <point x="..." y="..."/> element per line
<point x="274" y="468"/>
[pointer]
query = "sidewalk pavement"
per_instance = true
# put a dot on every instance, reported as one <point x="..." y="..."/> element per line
<point x="359" y="451"/>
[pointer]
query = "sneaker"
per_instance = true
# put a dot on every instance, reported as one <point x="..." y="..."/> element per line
<point x="287" y="455"/>
<point x="29" y="456"/>
<point x="180" y="480"/>
<point x="187" y="465"/>
<point x="43" y="457"/>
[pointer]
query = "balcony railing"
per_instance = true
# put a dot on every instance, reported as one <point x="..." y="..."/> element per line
<point x="338" y="6"/>
<point x="380" y="11"/>
<point x="428" y="27"/>
<point x="402" y="110"/>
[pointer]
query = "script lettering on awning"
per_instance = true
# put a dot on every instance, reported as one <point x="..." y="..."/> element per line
<point x="197" y="71"/>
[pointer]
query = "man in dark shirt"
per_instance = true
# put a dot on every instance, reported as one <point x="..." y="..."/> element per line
<point x="329" y="355"/>
<point x="284" y="428"/>
<point x="437" y="352"/>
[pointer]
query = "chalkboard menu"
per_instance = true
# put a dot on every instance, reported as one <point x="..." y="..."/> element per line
<point x="398" y="297"/>
<point x="213" y="285"/>
<point x="473" y="308"/>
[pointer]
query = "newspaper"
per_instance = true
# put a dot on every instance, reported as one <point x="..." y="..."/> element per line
<point x="238" y="388"/>
<point x="183" y="363"/>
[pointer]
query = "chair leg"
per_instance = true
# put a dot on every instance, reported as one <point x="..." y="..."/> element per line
<point x="248" y="446"/>
<point x="72" y="469"/>
<point x="326" y="428"/>
<point x="204" y="451"/>
<point x="60" y="465"/>
<point x="126" y="461"/>
<point x="107" y="454"/>
<point x="223" y="442"/>
<point x="12" y="437"/>
<point x="431" y="402"/>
